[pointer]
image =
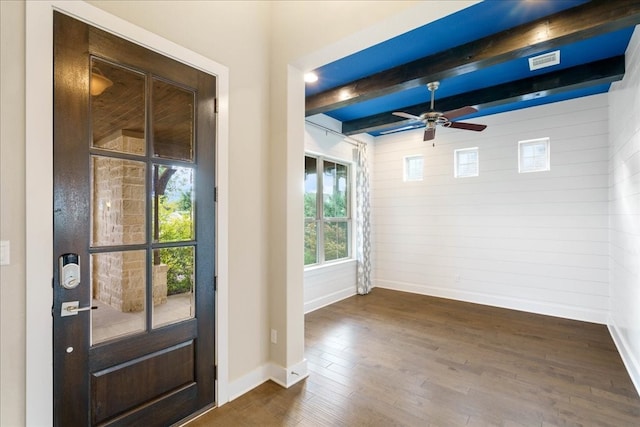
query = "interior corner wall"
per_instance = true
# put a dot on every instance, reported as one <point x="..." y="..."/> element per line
<point x="624" y="211"/>
<point x="536" y="242"/>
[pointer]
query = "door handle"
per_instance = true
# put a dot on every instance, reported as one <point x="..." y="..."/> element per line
<point x="71" y="308"/>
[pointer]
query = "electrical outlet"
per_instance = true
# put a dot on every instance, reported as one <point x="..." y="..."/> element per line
<point x="274" y="336"/>
<point x="457" y="278"/>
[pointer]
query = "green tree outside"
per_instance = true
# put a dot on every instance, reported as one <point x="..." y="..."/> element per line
<point x="335" y="232"/>
<point x="176" y="224"/>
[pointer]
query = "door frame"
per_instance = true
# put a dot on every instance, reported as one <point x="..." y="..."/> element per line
<point x="39" y="190"/>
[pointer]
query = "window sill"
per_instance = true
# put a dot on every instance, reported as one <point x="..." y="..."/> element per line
<point x="330" y="264"/>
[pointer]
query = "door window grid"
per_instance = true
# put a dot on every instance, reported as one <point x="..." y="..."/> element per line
<point x="162" y="292"/>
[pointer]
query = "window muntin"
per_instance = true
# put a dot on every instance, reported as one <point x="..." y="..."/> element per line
<point x="466" y="162"/>
<point x="327" y="192"/>
<point x="533" y="155"/>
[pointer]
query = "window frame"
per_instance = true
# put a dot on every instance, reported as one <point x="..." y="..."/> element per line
<point x="407" y="176"/>
<point x="320" y="219"/>
<point x="456" y="167"/>
<point x="547" y="142"/>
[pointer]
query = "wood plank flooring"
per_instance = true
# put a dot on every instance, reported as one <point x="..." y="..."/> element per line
<point x="398" y="359"/>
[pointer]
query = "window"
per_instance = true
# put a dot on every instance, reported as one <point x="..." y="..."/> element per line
<point x="327" y="212"/>
<point x="413" y="167"/>
<point x="533" y="155"/>
<point x="465" y="162"/>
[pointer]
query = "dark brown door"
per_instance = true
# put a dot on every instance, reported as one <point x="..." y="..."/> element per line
<point x="134" y="209"/>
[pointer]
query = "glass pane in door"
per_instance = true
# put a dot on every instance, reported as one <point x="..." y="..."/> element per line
<point x="117" y="108"/>
<point x="172" y="117"/>
<point x="118" y="207"/>
<point x="118" y="290"/>
<point x="173" y="207"/>
<point x="173" y="285"/>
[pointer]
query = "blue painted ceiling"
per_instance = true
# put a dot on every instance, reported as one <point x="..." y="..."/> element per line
<point x="481" y="20"/>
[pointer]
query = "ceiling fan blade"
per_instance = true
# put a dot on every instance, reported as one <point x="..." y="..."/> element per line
<point x="406" y="115"/>
<point x="429" y="134"/>
<point x="467" y="126"/>
<point x="460" y="112"/>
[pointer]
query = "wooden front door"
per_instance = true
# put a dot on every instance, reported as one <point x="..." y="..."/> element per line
<point x="134" y="193"/>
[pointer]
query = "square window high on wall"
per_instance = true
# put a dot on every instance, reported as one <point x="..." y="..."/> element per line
<point x="413" y="168"/>
<point x="533" y="155"/>
<point x="466" y="162"/>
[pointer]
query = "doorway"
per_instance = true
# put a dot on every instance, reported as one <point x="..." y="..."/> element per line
<point x="134" y="243"/>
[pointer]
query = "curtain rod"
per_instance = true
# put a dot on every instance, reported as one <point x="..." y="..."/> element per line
<point x="348" y="139"/>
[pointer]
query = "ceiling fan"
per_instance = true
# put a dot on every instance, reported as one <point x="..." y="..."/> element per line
<point x="433" y="118"/>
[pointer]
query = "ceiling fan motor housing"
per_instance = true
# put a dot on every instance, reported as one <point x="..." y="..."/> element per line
<point x="433" y="118"/>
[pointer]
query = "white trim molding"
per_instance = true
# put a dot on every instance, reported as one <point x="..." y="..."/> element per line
<point x="285" y="377"/>
<point x="329" y="299"/>
<point x="628" y="358"/>
<point x="547" y="309"/>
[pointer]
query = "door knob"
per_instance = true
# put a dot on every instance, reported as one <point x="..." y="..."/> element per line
<point x="71" y="308"/>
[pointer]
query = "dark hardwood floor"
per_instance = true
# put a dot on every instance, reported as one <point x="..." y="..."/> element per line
<point x="398" y="359"/>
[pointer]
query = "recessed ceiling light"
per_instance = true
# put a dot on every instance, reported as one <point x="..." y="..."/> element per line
<point x="311" y="77"/>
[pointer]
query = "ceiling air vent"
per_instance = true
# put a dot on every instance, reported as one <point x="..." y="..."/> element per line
<point x="545" y="60"/>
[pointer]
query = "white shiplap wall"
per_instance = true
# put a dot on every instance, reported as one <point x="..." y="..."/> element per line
<point x="536" y="242"/>
<point x="624" y="211"/>
<point x="332" y="282"/>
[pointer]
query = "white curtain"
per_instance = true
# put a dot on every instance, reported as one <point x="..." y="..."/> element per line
<point x="363" y="226"/>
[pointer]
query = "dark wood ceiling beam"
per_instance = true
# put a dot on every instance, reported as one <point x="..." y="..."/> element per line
<point x="581" y="76"/>
<point x="587" y="20"/>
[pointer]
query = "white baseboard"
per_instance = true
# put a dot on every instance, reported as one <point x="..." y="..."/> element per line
<point x="548" y="309"/>
<point x="326" y="300"/>
<point x="248" y="382"/>
<point x="630" y="361"/>
<point x="285" y="377"/>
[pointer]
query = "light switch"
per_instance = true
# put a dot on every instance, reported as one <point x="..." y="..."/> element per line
<point x="5" y="251"/>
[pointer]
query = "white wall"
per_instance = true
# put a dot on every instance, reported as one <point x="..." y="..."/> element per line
<point x="624" y="210"/>
<point x="328" y="284"/>
<point x="12" y="214"/>
<point x="536" y="241"/>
